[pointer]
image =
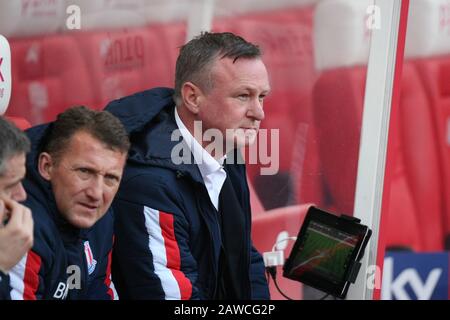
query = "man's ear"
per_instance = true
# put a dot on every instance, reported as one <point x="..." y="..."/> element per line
<point x="45" y="165"/>
<point x="191" y="96"/>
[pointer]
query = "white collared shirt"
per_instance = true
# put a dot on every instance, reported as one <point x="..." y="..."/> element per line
<point x="212" y="170"/>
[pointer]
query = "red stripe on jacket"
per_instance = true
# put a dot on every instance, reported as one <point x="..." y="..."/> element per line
<point x="108" y="273"/>
<point x="31" y="276"/>
<point x="166" y="223"/>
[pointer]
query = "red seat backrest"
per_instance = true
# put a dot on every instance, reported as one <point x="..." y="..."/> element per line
<point x="256" y="205"/>
<point x="122" y="62"/>
<point x="342" y="44"/>
<point x="338" y="98"/>
<point x="428" y="48"/>
<point x="49" y="76"/>
<point x="415" y="208"/>
<point x="285" y="37"/>
<point x="418" y="149"/>
<point x="20" y="123"/>
<point x="435" y="75"/>
<point x="170" y="37"/>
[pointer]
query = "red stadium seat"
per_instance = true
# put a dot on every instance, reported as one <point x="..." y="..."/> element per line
<point x="170" y="37"/>
<point x="415" y="206"/>
<point x="338" y="100"/>
<point x="270" y="228"/>
<point x="415" y="200"/>
<point x="414" y="189"/>
<point x="256" y="205"/>
<point x="122" y="62"/>
<point x="20" y="123"/>
<point x="341" y="51"/>
<point x="420" y="150"/>
<point x="428" y="49"/>
<point x="435" y="74"/>
<point x="285" y="38"/>
<point x="49" y="76"/>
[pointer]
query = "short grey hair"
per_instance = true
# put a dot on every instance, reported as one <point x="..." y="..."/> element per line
<point x="197" y="57"/>
<point x="13" y="142"/>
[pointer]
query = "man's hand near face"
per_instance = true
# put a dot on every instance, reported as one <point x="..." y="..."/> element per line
<point x="16" y="235"/>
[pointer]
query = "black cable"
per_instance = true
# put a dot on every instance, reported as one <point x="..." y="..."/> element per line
<point x="279" y="290"/>
<point x="267" y="276"/>
<point x="324" y="297"/>
<point x="272" y="271"/>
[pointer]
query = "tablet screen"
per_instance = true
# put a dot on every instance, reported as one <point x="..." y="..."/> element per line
<point x="325" y="251"/>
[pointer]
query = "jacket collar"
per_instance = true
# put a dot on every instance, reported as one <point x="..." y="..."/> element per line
<point x="149" y="118"/>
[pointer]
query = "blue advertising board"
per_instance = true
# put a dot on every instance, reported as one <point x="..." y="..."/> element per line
<point x="415" y="276"/>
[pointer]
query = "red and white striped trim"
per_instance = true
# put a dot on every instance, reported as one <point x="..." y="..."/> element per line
<point x="166" y="254"/>
<point x="24" y="277"/>
<point x="108" y="282"/>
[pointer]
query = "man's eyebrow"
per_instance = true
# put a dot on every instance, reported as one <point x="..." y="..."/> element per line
<point x="115" y="174"/>
<point x="256" y="89"/>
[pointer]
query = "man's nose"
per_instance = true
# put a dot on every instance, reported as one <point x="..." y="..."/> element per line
<point x="256" y="111"/>
<point x="95" y="188"/>
<point x="19" y="193"/>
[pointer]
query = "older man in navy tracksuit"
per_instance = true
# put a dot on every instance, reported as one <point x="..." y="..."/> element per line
<point x="183" y="227"/>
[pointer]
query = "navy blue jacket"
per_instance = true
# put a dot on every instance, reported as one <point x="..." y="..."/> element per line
<point x="4" y="286"/>
<point x="168" y="238"/>
<point x="65" y="262"/>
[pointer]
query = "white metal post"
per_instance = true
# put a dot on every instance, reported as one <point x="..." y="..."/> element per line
<point x="374" y="133"/>
<point x="200" y="18"/>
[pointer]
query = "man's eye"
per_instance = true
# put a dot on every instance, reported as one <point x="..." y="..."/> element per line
<point x="84" y="173"/>
<point x="111" y="180"/>
<point x="243" y="97"/>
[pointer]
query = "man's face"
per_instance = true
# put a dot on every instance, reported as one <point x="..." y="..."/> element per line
<point x="84" y="179"/>
<point x="236" y="99"/>
<point x="11" y="179"/>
